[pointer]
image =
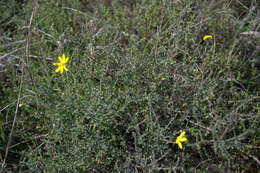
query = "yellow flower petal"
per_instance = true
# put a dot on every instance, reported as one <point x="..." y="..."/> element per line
<point x="183" y="139"/>
<point x="65" y="68"/>
<point x="61" y="70"/>
<point x="182" y="134"/>
<point x="58" y="69"/>
<point x="63" y="56"/>
<point x="206" y="37"/>
<point x="180" y="145"/>
<point x="60" y="59"/>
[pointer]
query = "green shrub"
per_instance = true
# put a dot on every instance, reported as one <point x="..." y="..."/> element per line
<point x="139" y="74"/>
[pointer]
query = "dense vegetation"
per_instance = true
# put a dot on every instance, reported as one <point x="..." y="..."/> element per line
<point x="139" y="75"/>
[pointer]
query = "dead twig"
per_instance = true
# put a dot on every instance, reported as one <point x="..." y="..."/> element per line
<point x="36" y="6"/>
<point x="14" y="120"/>
<point x="251" y="33"/>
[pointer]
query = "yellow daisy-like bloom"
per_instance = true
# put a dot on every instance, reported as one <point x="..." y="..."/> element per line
<point x="206" y="37"/>
<point x="181" y="139"/>
<point x="61" y="64"/>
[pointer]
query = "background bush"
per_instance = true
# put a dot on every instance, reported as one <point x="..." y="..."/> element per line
<point x="139" y="74"/>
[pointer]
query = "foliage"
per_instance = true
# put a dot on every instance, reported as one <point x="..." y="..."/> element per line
<point x="139" y="74"/>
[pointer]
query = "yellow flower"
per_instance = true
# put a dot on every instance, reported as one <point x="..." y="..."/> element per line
<point x="206" y="37"/>
<point x="181" y="139"/>
<point x="61" y="64"/>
